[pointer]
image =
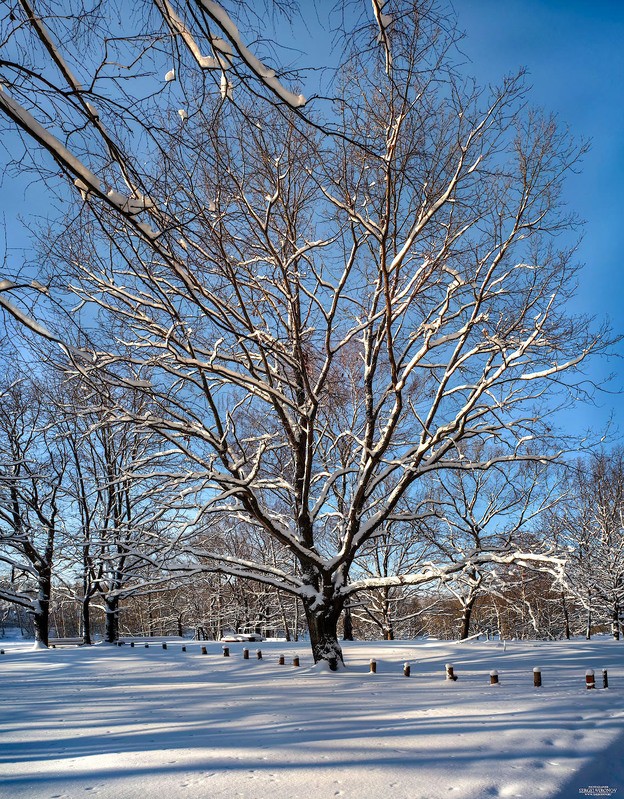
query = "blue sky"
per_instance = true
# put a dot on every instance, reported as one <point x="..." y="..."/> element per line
<point x="575" y="59"/>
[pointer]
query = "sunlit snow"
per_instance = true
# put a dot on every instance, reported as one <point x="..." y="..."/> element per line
<point x="122" y="722"/>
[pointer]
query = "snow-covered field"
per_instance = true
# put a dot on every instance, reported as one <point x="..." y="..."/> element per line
<point x="119" y="723"/>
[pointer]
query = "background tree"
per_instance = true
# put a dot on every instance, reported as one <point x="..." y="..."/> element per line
<point x="483" y="510"/>
<point x="590" y="524"/>
<point x="325" y="302"/>
<point x="32" y="483"/>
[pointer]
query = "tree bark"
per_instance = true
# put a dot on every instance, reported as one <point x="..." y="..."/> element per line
<point x="566" y="616"/>
<point x="588" y="628"/>
<point x="615" y="622"/>
<point x="41" y="617"/>
<point x="86" y="621"/>
<point x="464" y="629"/>
<point x="112" y="620"/>
<point x="41" y="612"/>
<point x="323" y="628"/>
<point x="347" y="625"/>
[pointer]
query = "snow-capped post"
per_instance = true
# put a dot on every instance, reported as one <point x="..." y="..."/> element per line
<point x="226" y="651"/>
<point x="372" y="666"/>
<point x="296" y="660"/>
<point x="590" y="680"/>
<point x="494" y="677"/>
<point x="245" y="654"/>
<point x="537" y="677"/>
<point x="204" y="650"/>
<point x="258" y="654"/>
<point x="450" y="674"/>
<point x="406" y="670"/>
<point x="281" y="660"/>
<point x="605" y="679"/>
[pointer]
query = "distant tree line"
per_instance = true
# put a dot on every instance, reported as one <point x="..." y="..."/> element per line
<point x="99" y="537"/>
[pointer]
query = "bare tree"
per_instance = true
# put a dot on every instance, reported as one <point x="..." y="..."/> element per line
<point x="483" y="510"/>
<point x="589" y="528"/>
<point x="121" y="508"/>
<point x="32" y="476"/>
<point x="395" y="549"/>
<point x="325" y="302"/>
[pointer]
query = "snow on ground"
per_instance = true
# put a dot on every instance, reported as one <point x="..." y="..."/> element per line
<point x="126" y="723"/>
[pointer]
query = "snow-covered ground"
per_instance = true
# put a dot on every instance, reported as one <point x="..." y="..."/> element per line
<point x="121" y="722"/>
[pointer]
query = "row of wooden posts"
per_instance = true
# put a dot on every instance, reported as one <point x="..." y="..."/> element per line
<point x="226" y="653"/>
<point x="590" y="679"/>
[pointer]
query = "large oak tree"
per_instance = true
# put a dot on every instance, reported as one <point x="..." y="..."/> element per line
<point x="326" y="297"/>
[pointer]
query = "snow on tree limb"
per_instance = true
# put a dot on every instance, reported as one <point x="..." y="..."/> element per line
<point x="440" y="573"/>
<point x="224" y="51"/>
<point x="178" y="27"/>
<point x="218" y="14"/>
<point x="384" y="22"/>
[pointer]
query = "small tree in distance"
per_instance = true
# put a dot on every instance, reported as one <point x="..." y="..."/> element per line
<point x="325" y="300"/>
<point x="590" y="524"/>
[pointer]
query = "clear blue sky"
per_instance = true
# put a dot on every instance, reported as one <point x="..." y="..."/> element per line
<point x="574" y="53"/>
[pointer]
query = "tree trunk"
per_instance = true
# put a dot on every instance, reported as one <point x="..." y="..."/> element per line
<point x="464" y="629"/>
<point x="41" y="617"/>
<point x="615" y="622"/>
<point x="347" y="625"/>
<point x="112" y="619"/>
<point x="566" y="616"/>
<point x="285" y="624"/>
<point x="323" y="629"/>
<point x="41" y="612"/>
<point x="387" y="616"/>
<point x="86" y="621"/>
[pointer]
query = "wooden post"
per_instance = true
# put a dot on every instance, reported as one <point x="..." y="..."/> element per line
<point x="450" y="674"/>
<point x="1" y="651"/>
<point x="245" y="654"/>
<point x="132" y="644"/>
<point x="494" y="677"/>
<point x="537" y="677"/>
<point x="259" y="654"/>
<point x="184" y="649"/>
<point x="147" y="646"/>
<point x="372" y="667"/>
<point x="590" y="681"/>
<point x="605" y="679"/>
<point x="406" y="670"/>
<point x="226" y="651"/>
<point x="296" y="660"/>
<point x="204" y="651"/>
<point x="281" y="660"/>
<point x="164" y="645"/>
